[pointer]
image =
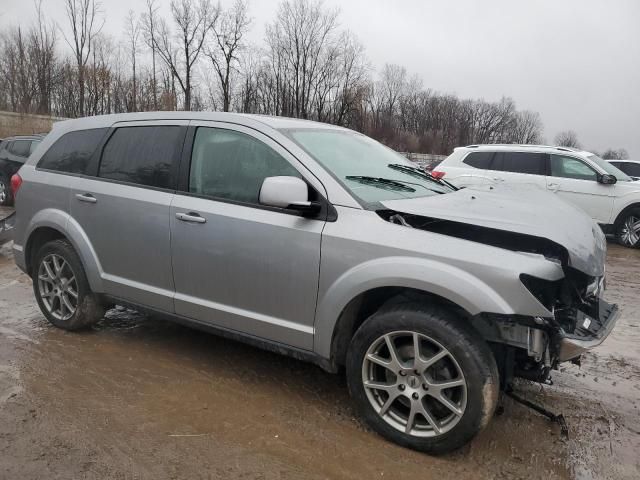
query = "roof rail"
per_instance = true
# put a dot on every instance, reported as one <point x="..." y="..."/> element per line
<point x="566" y="149"/>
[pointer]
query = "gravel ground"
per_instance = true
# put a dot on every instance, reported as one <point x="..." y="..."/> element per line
<point x="138" y="397"/>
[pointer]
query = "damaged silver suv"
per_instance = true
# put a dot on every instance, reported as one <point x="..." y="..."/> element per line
<point x="317" y="242"/>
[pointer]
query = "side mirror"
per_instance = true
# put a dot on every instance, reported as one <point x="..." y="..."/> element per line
<point x="288" y="192"/>
<point x="607" y="179"/>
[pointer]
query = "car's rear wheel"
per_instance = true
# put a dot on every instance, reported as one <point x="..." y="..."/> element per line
<point x="61" y="287"/>
<point x="421" y="378"/>
<point x="5" y="192"/>
<point x="628" y="229"/>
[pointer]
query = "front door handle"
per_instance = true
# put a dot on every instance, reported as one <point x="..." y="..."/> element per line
<point x="498" y="179"/>
<point x="191" y="217"/>
<point x="86" y="197"/>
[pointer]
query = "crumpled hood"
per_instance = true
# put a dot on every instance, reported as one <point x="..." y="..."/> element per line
<point x="521" y="209"/>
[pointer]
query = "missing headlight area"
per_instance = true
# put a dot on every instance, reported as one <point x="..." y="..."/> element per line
<point x="514" y="241"/>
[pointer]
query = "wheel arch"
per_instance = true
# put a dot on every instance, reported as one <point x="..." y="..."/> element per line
<point x="360" y="292"/>
<point x="625" y="211"/>
<point x="52" y="224"/>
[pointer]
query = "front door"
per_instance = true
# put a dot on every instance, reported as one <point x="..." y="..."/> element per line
<point x="576" y="182"/>
<point x="237" y="264"/>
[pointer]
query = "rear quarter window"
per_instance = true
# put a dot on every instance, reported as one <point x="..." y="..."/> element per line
<point x="72" y="152"/>
<point x="480" y="160"/>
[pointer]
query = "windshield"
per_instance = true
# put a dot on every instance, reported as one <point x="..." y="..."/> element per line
<point x="368" y="169"/>
<point x="610" y="169"/>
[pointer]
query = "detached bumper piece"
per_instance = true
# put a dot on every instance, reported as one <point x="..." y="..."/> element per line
<point x="6" y="228"/>
<point x="589" y="332"/>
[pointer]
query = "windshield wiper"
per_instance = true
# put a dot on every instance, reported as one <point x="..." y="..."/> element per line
<point x="418" y="172"/>
<point x="381" y="182"/>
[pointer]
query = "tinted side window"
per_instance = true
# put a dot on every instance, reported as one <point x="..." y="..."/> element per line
<point x="20" y="148"/>
<point x="233" y="165"/>
<point x="520" y="162"/>
<point x="72" y="151"/>
<point x="632" y="169"/>
<point x="143" y="155"/>
<point x="479" y="160"/>
<point x="569" y="167"/>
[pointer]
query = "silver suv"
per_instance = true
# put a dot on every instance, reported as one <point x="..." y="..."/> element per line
<point x="318" y="242"/>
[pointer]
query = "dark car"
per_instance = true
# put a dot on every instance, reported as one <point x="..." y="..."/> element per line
<point x="14" y="151"/>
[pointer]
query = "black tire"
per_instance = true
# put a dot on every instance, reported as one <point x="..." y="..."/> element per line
<point x="88" y="308"/>
<point x="6" y="198"/>
<point x="622" y="226"/>
<point x="472" y="354"/>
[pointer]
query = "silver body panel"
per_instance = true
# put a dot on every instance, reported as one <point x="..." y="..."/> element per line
<point x="276" y="276"/>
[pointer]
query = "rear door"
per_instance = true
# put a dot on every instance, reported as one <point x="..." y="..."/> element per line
<point x="521" y="168"/>
<point x="124" y="210"/>
<point x="238" y="264"/>
<point x="577" y="182"/>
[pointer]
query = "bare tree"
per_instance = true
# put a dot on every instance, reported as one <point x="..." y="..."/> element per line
<point x="567" y="138"/>
<point x="43" y="42"/>
<point x="132" y="32"/>
<point x="228" y="36"/>
<point x="180" y="51"/>
<point x="149" y="22"/>
<point x="85" y="24"/>
<point x="619" y="154"/>
<point x="297" y="41"/>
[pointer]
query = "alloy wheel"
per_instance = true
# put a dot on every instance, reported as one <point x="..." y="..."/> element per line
<point x="58" y="287"/>
<point x="630" y="233"/>
<point x="3" y="193"/>
<point x="414" y="383"/>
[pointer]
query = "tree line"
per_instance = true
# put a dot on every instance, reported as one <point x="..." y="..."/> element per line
<point x="198" y="57"/>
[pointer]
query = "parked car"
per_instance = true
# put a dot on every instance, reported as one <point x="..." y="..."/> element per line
<point x="14" y="151"/>
<point x="318" y="242"/>
<point x="630" y="167"/>
<point x="608" y="195"/>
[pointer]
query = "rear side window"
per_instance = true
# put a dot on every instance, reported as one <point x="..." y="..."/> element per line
<point x="143" y="155"/>
<point x="20" y="148"/>
<point x="479" y="160"/>
<point x="520" y="162"/>
<point x="72" y="152"/>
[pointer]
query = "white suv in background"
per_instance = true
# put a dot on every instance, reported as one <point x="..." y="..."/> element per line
<point x="610" y="196"/>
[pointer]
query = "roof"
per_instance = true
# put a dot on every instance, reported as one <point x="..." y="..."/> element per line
<point x="523" y="147"/>
<point x="243" y="118"/>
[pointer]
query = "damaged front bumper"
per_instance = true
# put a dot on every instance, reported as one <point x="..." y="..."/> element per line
<point x="589" y="333"/>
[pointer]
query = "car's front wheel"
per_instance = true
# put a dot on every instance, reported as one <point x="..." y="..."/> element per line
<point x="628" y="229"/>
<point x="421" y="378"/>
<point x="62" y="289"/>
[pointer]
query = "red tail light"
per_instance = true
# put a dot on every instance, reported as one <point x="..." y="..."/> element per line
<point x="438" y="174"/>
<point x="16" y="183"/>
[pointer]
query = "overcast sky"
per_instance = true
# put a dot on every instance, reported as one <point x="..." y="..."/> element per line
<point x="577" y="62"/>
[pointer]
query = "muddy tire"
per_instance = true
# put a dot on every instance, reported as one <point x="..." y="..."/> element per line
<point x="61" y="287"/>
<point x="628" y="229"/>
<point x="434" y="403"/>
<point x="5" y="192"/>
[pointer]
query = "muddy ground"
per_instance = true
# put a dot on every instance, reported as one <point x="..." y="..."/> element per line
<point x="137" y="397"/>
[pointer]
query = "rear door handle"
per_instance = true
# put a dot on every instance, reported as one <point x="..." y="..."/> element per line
<point x="191" y="217"/>
<point x="553" y="186"/>
<point x="86" y="197"/>
<point x="498" y="179"/>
